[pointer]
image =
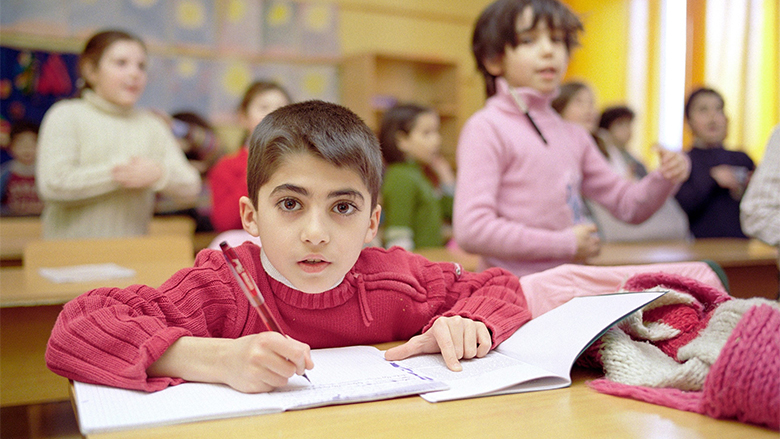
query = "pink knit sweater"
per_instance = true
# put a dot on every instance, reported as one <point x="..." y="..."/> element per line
<point x="517" y="198"/>
<point x="111" y="336"/>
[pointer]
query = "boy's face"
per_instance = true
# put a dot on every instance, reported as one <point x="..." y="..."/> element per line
<point x="707" y="120"/>
<point x="23" y="147"/>
<point x="540" y="59"/>
<point x="313" y="219"/>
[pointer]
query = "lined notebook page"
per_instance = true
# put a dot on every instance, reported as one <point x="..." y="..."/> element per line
<point x="340" y="375"/>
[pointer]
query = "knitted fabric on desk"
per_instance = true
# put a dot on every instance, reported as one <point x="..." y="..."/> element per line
<point x="695" y="349"/>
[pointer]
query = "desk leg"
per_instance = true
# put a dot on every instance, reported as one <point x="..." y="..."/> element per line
<point x="25" y="379"/>
<point x="757" y="281"/>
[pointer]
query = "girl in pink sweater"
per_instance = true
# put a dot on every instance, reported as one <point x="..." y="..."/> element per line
<point x="522" y="170"/>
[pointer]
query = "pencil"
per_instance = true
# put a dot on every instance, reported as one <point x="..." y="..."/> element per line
<point x="249" y="287"/>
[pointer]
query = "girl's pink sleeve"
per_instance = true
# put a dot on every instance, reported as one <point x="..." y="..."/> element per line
<point x="632" y="202"/>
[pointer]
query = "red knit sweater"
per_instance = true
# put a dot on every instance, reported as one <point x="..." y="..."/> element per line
<point x="227" y="179"/>
<point x="111" y="336"/>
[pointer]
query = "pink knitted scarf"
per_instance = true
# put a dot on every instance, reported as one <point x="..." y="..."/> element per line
<point x="698" y="350"/>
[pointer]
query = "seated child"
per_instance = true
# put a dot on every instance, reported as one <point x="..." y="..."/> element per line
<point x="199" y="143"/>
<point x="415" y="207"/>
<point x="227" y="178"/>
<point x="17" y="176"/>
<point x="314" y="175"/>
<point x="719" y="176"/>
<point x="616" y="127"/>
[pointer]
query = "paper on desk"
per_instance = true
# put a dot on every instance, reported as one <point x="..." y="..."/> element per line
<point x="85" y="273"/>
<point x="340" y="375"/>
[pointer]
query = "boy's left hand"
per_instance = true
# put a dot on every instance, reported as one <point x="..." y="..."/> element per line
<point x="675" y="166"/>
<point x="455" y="337"/>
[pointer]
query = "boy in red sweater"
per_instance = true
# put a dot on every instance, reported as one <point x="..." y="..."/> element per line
<point x="314" y="175"/>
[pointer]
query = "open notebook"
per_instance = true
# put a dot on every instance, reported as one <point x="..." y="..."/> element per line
<point x="538" y="356"/>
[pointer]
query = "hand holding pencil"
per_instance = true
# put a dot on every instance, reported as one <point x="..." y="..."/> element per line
<point x="249" y="287"/>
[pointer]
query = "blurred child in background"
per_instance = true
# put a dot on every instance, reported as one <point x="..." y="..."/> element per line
<point x="718" y="179"/>
<point x="198" y="141"/>
<point x="520" y="165"/>
<point x="616" y="127"/>
<point x="227" y="178"/>
<point x="577" y="103"/>
<point x="100" y="159"/>
<point x="414" y="205"/>
<point x="17" y="176"/>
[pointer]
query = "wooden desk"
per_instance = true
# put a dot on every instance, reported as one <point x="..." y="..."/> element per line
<point x="574" y="412"/>
<point x="750" y="265"/>
<point x="29" y="305"/>
<point x="16" y="232"/>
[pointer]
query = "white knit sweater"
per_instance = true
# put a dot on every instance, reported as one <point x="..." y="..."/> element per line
<point x="80" y="141"/>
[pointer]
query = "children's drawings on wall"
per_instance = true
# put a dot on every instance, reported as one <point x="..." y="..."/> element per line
<point x="32" y="81"/>
<point x="232" y="42"/>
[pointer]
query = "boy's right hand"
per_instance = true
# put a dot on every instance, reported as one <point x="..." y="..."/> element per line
<point x="588" y="241"/>
<point x="265" y="361"/>
<point x="251" y="364"/>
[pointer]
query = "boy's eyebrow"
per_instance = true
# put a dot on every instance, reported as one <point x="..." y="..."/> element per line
<point x="291" y="188"/>
<point x="351" y="193"/>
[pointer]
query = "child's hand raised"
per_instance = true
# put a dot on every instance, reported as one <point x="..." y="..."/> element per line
<point x="455" y="337"/>
<point x="675" y="166"/>
<point x="262" y="362"/>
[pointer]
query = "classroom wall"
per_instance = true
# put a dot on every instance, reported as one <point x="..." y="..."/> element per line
<point x="433" y="28"/>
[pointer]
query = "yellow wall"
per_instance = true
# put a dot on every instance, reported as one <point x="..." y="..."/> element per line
<point x="602" y="59"/>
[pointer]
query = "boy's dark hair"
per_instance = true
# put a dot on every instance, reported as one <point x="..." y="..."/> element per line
<point x="612" y="114"/>
<point x="328" y="131"/>
<point x="400" y="118"/>
<point x="22" y="126"/>
<point x="694" y="94"/>
<point x="496" y="28"/>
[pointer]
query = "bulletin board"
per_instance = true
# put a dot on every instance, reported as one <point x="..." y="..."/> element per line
<point x="203" y="54"/>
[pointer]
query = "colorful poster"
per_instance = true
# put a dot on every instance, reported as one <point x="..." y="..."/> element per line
<point x="193" y="22"/>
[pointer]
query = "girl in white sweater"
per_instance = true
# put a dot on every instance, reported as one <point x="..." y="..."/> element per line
<point x="101" y="160"/>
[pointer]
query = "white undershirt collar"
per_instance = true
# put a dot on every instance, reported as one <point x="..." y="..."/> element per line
<point x="277" y="276"/>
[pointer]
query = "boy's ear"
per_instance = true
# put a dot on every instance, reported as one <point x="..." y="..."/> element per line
<point x="248" y="216"/>
<point x="373" y="226"/>
<point x="495" y="65"/>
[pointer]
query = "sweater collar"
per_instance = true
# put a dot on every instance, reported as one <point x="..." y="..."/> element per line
<point x="534" y="99"/>
<point x="271" y="271"/>
<point x="93" y="98"/>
